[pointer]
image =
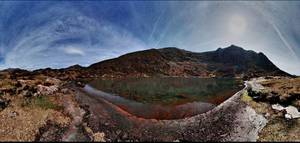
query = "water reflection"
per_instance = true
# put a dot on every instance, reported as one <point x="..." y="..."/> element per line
<point x="164" y="98"/>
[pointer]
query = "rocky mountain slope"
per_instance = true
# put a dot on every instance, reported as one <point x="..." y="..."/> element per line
<point x="232" y="61"/>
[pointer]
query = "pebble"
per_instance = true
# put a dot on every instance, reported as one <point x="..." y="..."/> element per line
<point x="13" y="114"/>
<point x="293" y="111"/>
<point x="267" y="115"/>
<point x="288" y="116"/>
<point x="277" y="107"/>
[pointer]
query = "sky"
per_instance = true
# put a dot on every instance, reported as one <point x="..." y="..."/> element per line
<point x="59" y="34"/>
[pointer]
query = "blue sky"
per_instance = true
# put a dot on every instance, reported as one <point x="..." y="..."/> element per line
<point x="62" y="33"/>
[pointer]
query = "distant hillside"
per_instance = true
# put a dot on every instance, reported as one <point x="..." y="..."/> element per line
<point x="232" y="61"/>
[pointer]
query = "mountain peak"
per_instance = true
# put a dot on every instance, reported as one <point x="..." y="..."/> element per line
<point x="77" y="66"/>
<point x="233" y="48"/>
<point x="170" y="49"/>
<point x="231" y="61"/>
<point x="175" y="48"/>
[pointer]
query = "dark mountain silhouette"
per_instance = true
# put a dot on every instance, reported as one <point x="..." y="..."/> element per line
<point x="232" y="61"/>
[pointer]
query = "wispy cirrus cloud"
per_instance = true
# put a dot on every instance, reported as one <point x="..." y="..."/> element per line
<point x="74" y="51"/>
<point x="68" y="37"/>
<point x="61" y="33"/>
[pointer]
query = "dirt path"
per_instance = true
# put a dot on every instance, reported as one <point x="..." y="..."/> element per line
<point x="74" y="132"/>
<point x="232" y="120"/>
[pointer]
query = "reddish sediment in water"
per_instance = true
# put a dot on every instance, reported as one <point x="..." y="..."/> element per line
<point x="160" y="112"/>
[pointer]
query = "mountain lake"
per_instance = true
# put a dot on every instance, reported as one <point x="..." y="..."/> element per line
<point x="165" y="98"/>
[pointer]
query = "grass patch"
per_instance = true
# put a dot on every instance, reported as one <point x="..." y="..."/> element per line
<point x="246" y="98"/>
<point x="279" y="129"/>
<point x="43" y="102"/>
<point x="259" y="107"/>
<point x="7" y="84"/>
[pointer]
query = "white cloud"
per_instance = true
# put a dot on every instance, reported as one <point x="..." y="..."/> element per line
<point x="74" y="51"/>
<point x="67" y="40"/>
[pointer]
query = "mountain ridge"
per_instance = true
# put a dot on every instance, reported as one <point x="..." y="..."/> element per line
<point x="232" y="61"/>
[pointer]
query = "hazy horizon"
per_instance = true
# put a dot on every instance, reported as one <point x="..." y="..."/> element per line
<point x="37" y="35"/>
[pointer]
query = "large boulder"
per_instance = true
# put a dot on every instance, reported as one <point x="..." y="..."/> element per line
<point x="291" y="112"/>
<point x="46" y="90"/>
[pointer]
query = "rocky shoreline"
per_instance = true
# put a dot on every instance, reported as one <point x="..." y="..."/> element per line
<point x="45" y="108"/>
<point x="276" y="98"/>
<point x="232" y="120"/>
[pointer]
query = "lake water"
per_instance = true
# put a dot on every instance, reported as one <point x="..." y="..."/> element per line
<point x="165" y="98"/>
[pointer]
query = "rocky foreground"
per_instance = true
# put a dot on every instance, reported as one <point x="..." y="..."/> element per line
<point x="41" y="107"/>
<point x="278" y="99"/>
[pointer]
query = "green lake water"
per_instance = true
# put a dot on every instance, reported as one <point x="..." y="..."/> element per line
<point x="167" y="97"/>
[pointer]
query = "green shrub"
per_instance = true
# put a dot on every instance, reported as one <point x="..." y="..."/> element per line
<point x="42" y="102"/>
